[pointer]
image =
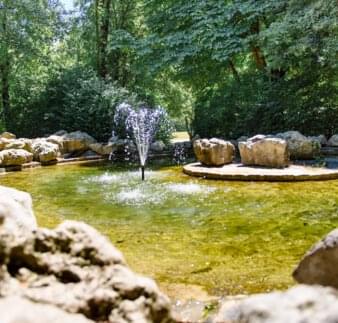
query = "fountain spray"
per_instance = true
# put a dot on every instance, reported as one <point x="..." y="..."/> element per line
<point x="141" y="125"/>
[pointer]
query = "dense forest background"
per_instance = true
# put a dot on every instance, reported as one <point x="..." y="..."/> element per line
<point x="221" y="67"/>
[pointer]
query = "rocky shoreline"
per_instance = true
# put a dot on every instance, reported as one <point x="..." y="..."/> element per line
<point x="74" y="274"/>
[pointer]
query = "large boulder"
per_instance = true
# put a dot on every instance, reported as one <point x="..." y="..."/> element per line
<point x="320" y="263"/>
<point x="57" y="140"/>
<point x="15" y="157"/>
<point x="17" y="206"/>
<point x="333" y="141"/>
<point x="214" y="152"/>
<point x="300" y="304"/>
<point x="264" y="151"/>
<point x="78" y="270"/>
<point x="20" y="310"/>
<point x="45" y="151"/>
<point x="77" y="141"/>
<point x="102" y="149"/>
<point x="21" y="143"/>
<point x="321" y="139"/>
<point x="300" y="147"/>
<point x="7" y="135"/>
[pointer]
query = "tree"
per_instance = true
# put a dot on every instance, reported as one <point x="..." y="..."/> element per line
<point x="27" y="28"/>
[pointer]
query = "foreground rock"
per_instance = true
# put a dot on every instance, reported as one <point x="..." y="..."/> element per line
<point x="214" y="152"/>
<point x="300" y="147"/>
<point x="45" y="151"/>
<point x="300" y="304"/>
<point x="77" y="141"/>
<point x="17" y="206"/>
<point x="263" y="151"/>
<point x="15" y="157"/>
<point x="320" y="264"/>
<point x="21" y="310"/>
<point x="77" y="270"/>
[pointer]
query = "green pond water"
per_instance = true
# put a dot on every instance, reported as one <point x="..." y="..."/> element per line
<point x="226" y="237"/>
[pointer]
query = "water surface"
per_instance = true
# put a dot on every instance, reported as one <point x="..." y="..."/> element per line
<point x="227" y="237"/>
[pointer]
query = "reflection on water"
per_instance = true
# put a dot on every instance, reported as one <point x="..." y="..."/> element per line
<point x="227" y="237"/>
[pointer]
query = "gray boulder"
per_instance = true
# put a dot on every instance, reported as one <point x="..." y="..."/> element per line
<point x="320" y="264"/>
<point x="300" y="147"/>
<point x="320" y="139"/>
<point x="300" y="304"/>
<point x="60" y="133"/>
<point x="214" y="152"/>
<point x="15" y="157"/>
<point x="17" y="206"/>
<point x="264" y="151"/>
<point x="76" y="269"/>
<point x="333" y="141"/>
<point x="77" y="141"/>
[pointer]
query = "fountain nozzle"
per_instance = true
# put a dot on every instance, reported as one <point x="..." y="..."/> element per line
<point x="142" y="172"/>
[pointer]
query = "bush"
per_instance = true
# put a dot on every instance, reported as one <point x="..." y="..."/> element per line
<point x="261" y="105"/>
<point x="75" y="99"/>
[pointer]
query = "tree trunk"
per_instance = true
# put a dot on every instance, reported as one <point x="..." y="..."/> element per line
<point x="5" y="97"/>
<point x="4" y="73"/>
<point x="257" y="53"/>
<point x="103" y="22"/>
<point x="234" y="71"/>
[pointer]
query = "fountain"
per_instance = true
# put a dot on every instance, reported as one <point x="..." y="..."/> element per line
<point x="141" y="126"/>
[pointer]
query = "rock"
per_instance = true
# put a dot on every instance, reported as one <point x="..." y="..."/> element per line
<point x="78" y="270"/>
<point x="333" y="141"/>
<point x="320" y="264"/>
<point x="7" y="135"/>
<point x="20" y="310"/>
<point x="57" y="140"/>
<point x="321" y="139"/>
<point x="77" y="141"/>
<point x="242" y="138"/>
<point x="45" y="151"/>
<point x="17" y="206"/>
<point x="263" y="151"/>
<point x="102" y="149"/>
<point x="60" y="133"/>
<point x="157" y="146"/>
<point x="300" y="304"/>
<point x="300" y="147"/>
<point x="13" y="157"/>
<point x="214" y="152"/>
<point x="21" y="143"/>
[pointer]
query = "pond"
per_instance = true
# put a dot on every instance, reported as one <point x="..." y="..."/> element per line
<point x="225" y="237"/>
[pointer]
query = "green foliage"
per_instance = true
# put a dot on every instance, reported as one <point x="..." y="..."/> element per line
<point x="232" y="67"/>
<point x="75" y="99"/>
